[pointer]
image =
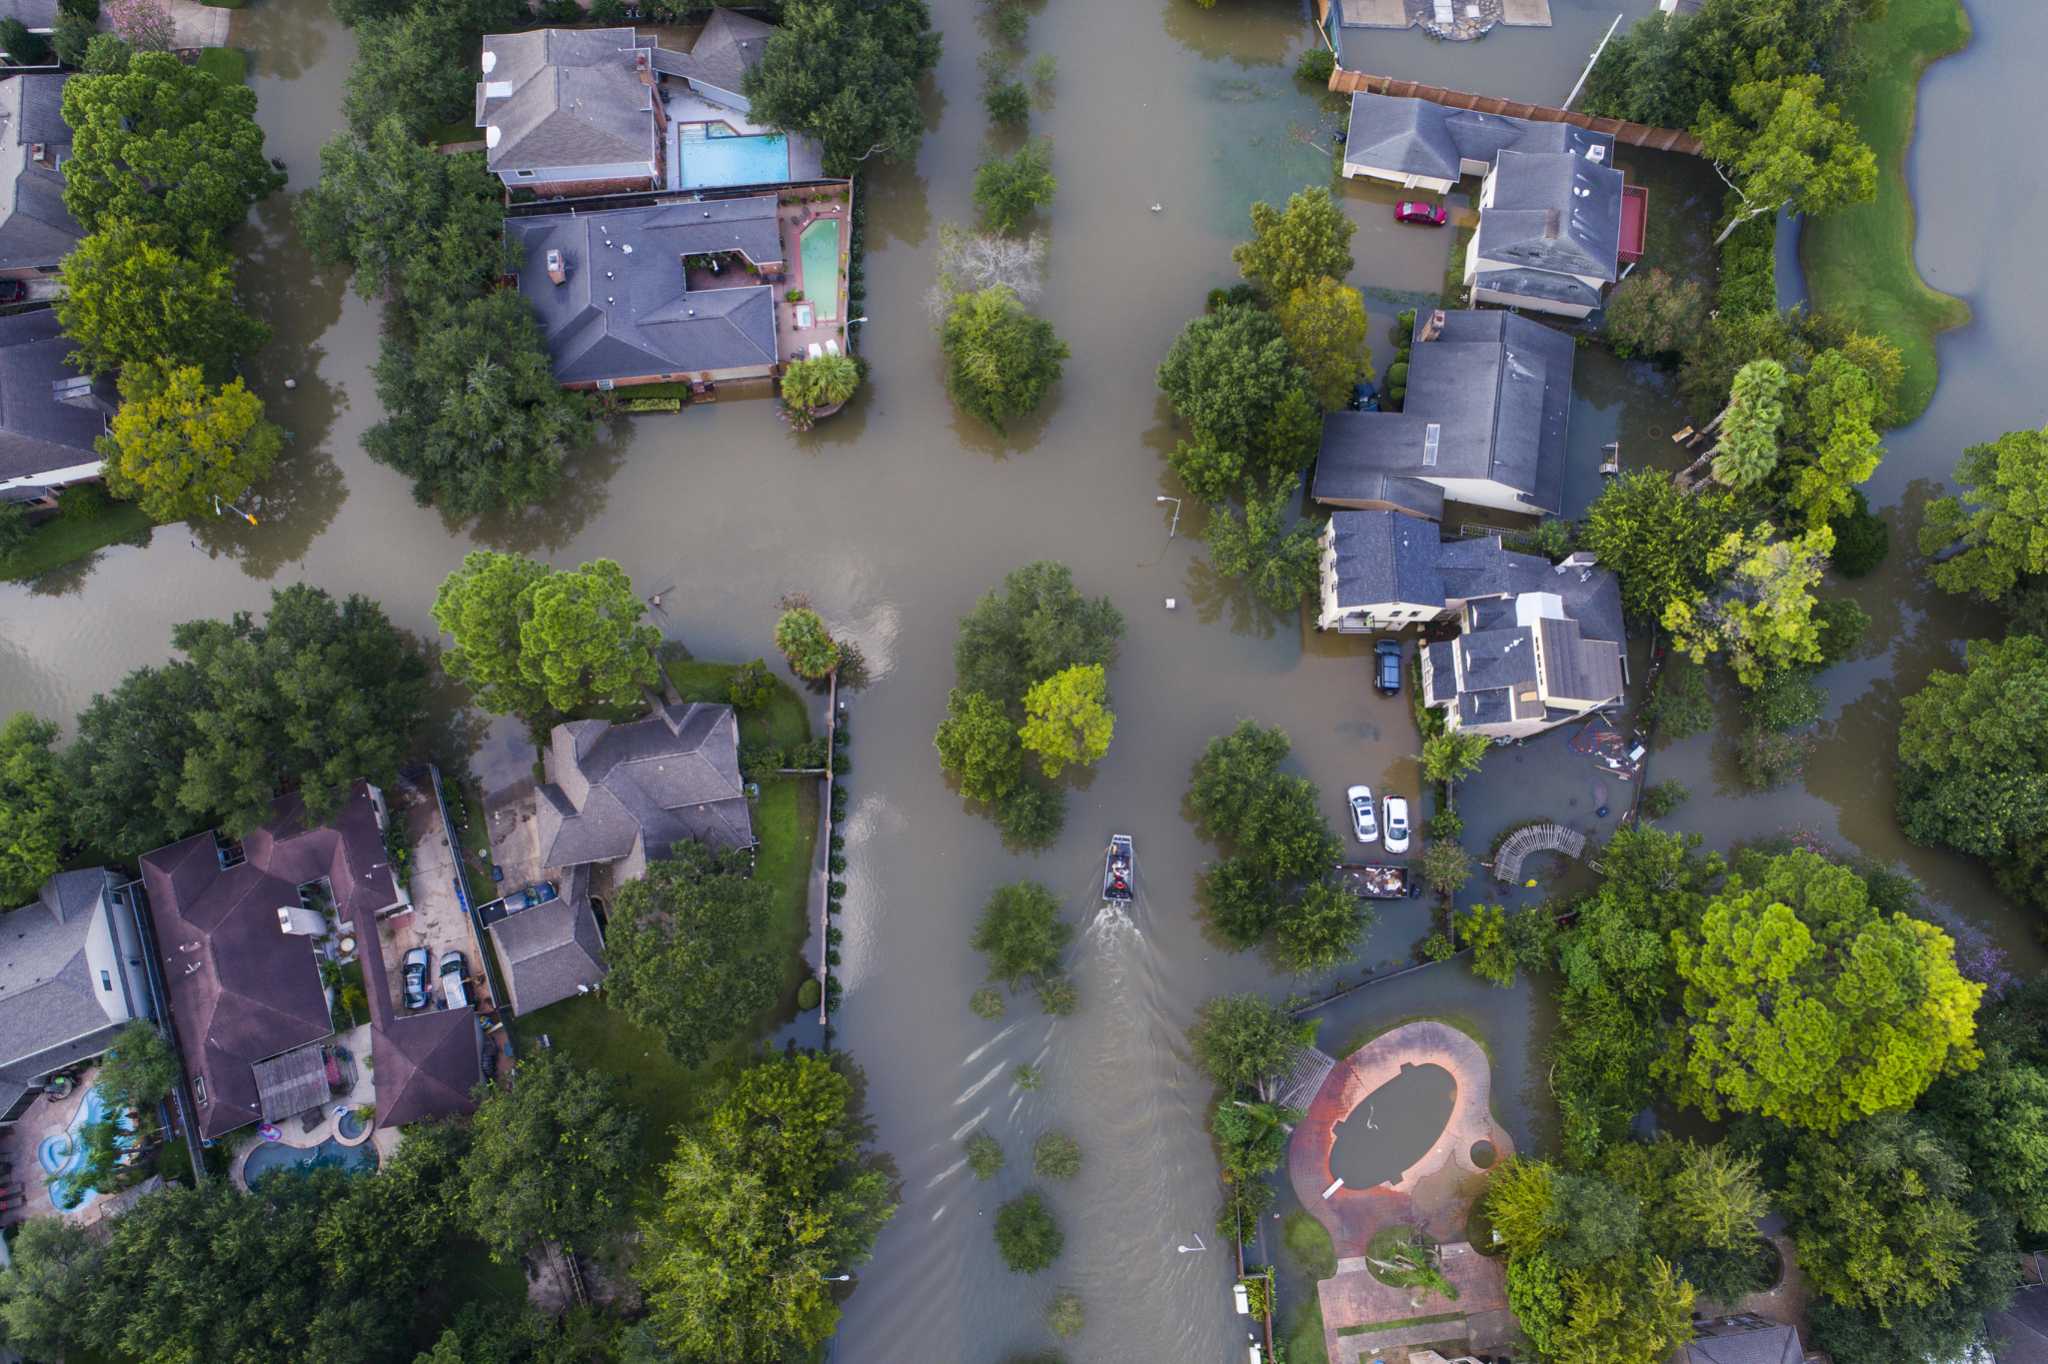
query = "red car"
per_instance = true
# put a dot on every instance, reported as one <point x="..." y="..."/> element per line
<point x="1415" y="211"/>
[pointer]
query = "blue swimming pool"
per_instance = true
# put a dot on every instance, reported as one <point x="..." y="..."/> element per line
<point x="61" y="1153"/>
<point x="270" y="1157"/>
<point x="714" y="162"/>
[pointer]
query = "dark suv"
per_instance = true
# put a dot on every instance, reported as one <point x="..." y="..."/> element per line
<point x="1387" y="667"/>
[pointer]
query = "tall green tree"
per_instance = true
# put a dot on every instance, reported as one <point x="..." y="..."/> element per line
<point x="319" y="695"/>
<point x="1277" y="564"/>
<point x="1762" y="616"/>
<point x="763" y="1205"/>
<point x="1001" y="360"/>
<point x="1804" y="1003"/>
<point x="582" y="640"/>
<point x="1007" y="190"/>
<point x="1021" y="933"/>
<point x="1035" y="625"/>
<point x="133" y="297"/>
<point x="1241" y="798"/>
<point x="551" y="1158"/>
<point x="53" y="1263"/>
<point x="472" y="411"/>
<point x="164" y="145"/>
<point x="692" y="948"/>
<point x="1241" y="1040"/>
<point x="481" y="606"/>
<point x="1835" y="423"/>
<point x="847" y="72"/>
<point x="977" y="742"/>
<point x="1655" y="538"/>
<point x="125" y="768"/>
<point x="415" y="66"/>
<point x="1325" y="326"/>
<point x="1227" y="375"/>
<point x="801" y="635"/>
<point x="1319" y="929"/>
<point x="140" y="1070"/>
<point x="1782" y="142"/>
<point x="1973" y="751"/>
<point x="1067" y="719"/>
<point x="33" y="807"/>
<point x="1452" y="756"/>
<point x="1291" y="247"/>
<point x="1027" y="1234"/>
<point x="178" y="445"/>
<point x="1999" y="517"/>
<point x="1747" y="449"/>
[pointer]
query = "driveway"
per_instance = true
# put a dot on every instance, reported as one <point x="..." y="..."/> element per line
<point x="437" y="921"/>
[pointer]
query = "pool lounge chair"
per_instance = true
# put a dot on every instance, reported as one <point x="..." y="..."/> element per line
<point x="816" y="351"/>
<point x="832" y="346"/>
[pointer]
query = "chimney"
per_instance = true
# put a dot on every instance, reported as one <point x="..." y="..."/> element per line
<point x="558" y="272"/>
<point x="39" y="153"/>
<point x="299" y="921"/>
<point x="1434" y="327"/>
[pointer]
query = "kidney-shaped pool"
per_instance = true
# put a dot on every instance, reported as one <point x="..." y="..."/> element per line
<point x="1393" y="1127"/>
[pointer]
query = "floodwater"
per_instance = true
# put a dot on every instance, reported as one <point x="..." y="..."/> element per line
<point x="897" y="514"/>
<point x="1394" y="1127"/>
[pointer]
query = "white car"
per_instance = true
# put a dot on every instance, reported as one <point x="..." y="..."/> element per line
<point x="1362" y="821"/>
<point x="1397" y="825"/>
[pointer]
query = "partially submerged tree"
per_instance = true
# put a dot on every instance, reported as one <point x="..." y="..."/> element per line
<point x="1747" y="449"/>
<point x="1782" y="142"/>
<point x="1325" y="325"/>
<point x="810" y="386"/>
<point x="1021" y="933"/>
<point x="1997" y="522"/>
<point x="1762" y="616"/>
<point x="1008" y="190"/>
<point x="977" y="742"/>
<point x="178" y="447"/>
<point x="801" y="635"/>
<point x="1001" y="360"/>
<point x="847" y="73"/>
<point x="535" y="641"/>
<point x="1037" y="624"/>
<point x="1277" y="564"/>
<point x="1241" y="1040"/>
<point x="1290" y="247"/>
<point x="1067" y="719"/>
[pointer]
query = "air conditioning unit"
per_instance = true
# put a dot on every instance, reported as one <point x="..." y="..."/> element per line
<point x="1597" y="153"/>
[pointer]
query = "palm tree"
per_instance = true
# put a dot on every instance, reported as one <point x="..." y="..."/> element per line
<point x="1452" y="755"/>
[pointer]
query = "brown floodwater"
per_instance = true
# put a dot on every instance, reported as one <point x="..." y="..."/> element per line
<point x="896" y="514"/>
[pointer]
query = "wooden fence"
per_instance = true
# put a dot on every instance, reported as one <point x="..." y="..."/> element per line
<point x="1633" y="134"/>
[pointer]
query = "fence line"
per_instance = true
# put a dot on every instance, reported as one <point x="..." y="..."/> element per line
<point x="1634" y="134"/>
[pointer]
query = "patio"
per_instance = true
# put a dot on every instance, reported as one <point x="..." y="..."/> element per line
<point x="798" y="326"/>
<point x="26" y="1185"/>
<point x="317" y="1125"/>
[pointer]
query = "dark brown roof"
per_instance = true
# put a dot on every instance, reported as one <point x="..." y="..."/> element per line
<point x="241" y="989"/>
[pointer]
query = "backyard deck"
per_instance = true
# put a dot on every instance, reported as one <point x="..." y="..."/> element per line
<point x="820" y="316"/>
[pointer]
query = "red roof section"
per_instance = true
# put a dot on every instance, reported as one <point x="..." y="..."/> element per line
<point x="1635" y="222"/>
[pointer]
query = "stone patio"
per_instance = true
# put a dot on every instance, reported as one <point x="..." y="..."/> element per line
<point x="793" y="340"/>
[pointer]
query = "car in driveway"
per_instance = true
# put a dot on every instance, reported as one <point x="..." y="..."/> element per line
<point x="12" y="291"/>
<point x="1397" y="824"/>
<point x="454" y="994"/>
<point x="1386" y="673"/>
<point x="1363" y="822"/>
<point x="1416" y="211"/>
<point x="414" y="973"/>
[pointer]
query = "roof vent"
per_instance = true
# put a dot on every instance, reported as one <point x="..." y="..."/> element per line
<point x="491" y="135"/>
<point x="497" y="89"/>
<point x="1430" y="435"/>
<point x="1596" y="153"/>
<point x="490" y="61"/>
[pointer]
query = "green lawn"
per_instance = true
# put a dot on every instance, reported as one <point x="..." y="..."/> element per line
<point x="1859" y="261"/>
<point x="786" y="822"/>
<point x="1304" y="1333"/>
<point x="1309" y="1245"/>
<point x="455" y="130"/>
<point x="229" y="65"/>
<point x="65" y="540"/>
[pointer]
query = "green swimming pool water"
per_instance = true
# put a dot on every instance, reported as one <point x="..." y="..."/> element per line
<point x="821" y="268"/>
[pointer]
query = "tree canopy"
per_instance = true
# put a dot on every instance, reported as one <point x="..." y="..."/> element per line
<point x="140" y="1069"/>
<point x="801" y="635"/>
<point x="977" y="742"/>
<point x="1027" y="1234"/>
<point x="164" y="145"/>
<point x="34" y="824"/>
<point x="177" y="444"/>
<point x="763" y="1203"/>
<point x="1324" y="323"/>
<point x="1007" y="190"/>
<point x="1226" y="376"/>
<point x="551" y="1158"/>
<point x="416" y="66"/>
<point x="1035" y="625"/>
<point x="1000" y="359"/>
<point x="1802" y="1002"/>
<point x="1655" y="538"/>
<point x="1761" y="617"/>
<point x="692" y="947"/>
<point x="1291" y="247"/>
<point x="1067" y="719"/>
<point x="133" y="297"/>
<point x="847" y="72"/>
<point x="1782" y="141"/>
<point x="1747" y="449"/>
<point x="1241" y="1040"/>
<point x="1021" y="933"/>
<point x="1277" y="563"/>
<point x="1998" y="518"/>
<point x="126" y="767"/>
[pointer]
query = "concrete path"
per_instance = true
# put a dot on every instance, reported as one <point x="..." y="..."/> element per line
<point x="1529" y="13"/>
<point x="1376" y="14"/>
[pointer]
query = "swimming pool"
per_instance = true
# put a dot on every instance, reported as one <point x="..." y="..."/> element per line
<point x="271" y="1156"/>
<point x="714" y="162"/>
<point x="60" y="1153"/>
<point x="821" y="267"/>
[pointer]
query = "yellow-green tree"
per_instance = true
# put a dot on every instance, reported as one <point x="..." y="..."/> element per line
<point x="1324" y="323"/>
<point x="178" y="443"/>
<point x="1803" y="1002"/>
<point x="1067" y="718"/>
<point x="131" y="296"/>
<point x="1762" y="615"/>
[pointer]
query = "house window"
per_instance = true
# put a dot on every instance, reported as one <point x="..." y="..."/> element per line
<point x="106" y="981"/>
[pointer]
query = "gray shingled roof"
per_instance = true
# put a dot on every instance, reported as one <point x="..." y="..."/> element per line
<point x="1499" y="389"/>
<point x="289" y="1084"/>
<point x="1553" y="211"/>
<point x="2022" y="1327"/>
<point x="1384" y="556"/>
<point x="1774" y="1343"/>
<point x="1577" y="668"/>
<point x="1417" y="137"/>
<point x="1542" y="284"/>
<point x="37" y="14"/>
<point x="564" y="97"/>
<point x="38" y="432"/>
<point x="669" y="778"/>
<point x="730" y="45"/>
<point x="36" y="231"/>
<point x="626" y="310"/>
<point x="551" y="949"/>
<point x="54" y="1009"/>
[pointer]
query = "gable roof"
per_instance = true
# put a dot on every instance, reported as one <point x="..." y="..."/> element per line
<point x="558" y="97"/>
<point x="730" y="45"/>
<point x="552" y="948"/>
<point x="292" y="1083"/>
<point x="1497" y="387"/>
<point x="1553" y="211"/>
<point x="55" y="1008"/>
<point x="1418" y="137"/>
<point x="241" y="989"/>
<point x="40" y="432"/>
<point x="36" y="230"/>
<point x="666" y="779"/>
<point x="626" y="309"/>
<point x="428" y="1065"/>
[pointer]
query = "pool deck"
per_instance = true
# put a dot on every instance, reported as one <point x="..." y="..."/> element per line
<point x="806" y="155"/>
<point x="357" y="1042"/>
<point x="18" y="1144"/>
<point x="793" y="342"/>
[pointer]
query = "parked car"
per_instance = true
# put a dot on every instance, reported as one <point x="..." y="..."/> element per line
<point x="417" y="963"/>
<point x="1415" y="211"/>
<point x="539" y="893"/>
<point x="1363" y="823"/>
<point x="1387" y="669"/>
<point x="1397" y="825"/>
<point x="453" y="993"/>
<point x="12" y="291"/>
<point x="1364" y="398"/>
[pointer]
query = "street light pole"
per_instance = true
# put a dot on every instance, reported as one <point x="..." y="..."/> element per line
<point x="1176" y="513"/>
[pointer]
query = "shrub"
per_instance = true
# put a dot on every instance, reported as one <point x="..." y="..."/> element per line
<point x="1769" y="759"/>
<point x="808" y="994"/>
<point x="1397" y="374"/>
<point x="1027" y="1235"/>
<point x="984" y="1155"/>
<point x="1786" y="700"/>
<point x="1008" y="105"/>
<point x="1008" y="190"/>
<point x="1652" y="314"/>
<point x="1843" y="624"/>
<point x="1026" y="1077"/>
<point x="1056" y="1156"/>
<point x="836" y="862"/>
<point x="801" y="635"/>
<point x="1749" y="270"/>
<point x="560" y="12"/>
<point x="986" y="1003"/>
<point x="1678" y="704"/>
<point x="750" y="685"/>
<point x="14" y="528"/>
<point x="83" y="502"/>
<point x="792" y="296"/>
<point x="1057" y="996"/>
<point x="1316" y="64"/>
<point x="1666" y="796"/>
<point x="1446" y="866"/>
<point x="1044" y="71"/>
<point x="1437" y="947"/>
<point x="608" y="12"/>
<point x="1031" y="816"/>
<point x="1446" y="823"/>
<point x="1554" y="538"/>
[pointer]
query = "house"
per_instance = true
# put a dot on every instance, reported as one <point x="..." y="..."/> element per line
<point x="72" y="975"/>
<point x="2020" y="1328"/>
<point x="1557" y="222"/>
<point x="1484" y="422"/>
<point x="50" y="414"/>
<point x="36" y="230"/>
<point x="571" y="111"/>
<point x="716" y="64"/>
<point x="628" y="296"/>
<point x="1742" y="1339"/>
<point x="551" y="950"/>
<point x="620" y="795"/>
<point x="242" y="929"/>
